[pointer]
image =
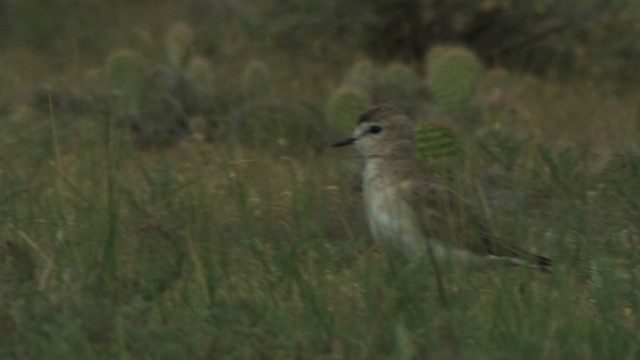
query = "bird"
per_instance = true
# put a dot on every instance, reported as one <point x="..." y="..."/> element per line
<point x="411" y="213"/>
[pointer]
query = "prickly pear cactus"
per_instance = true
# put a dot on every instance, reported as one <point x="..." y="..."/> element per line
<point x="200" y="79"/>
<point x="179" y="42"/>
<point x="453" y="73"/>
<point x="363" y="75"/>
<point x="436" y="140"/>
<point x="256" y="78"/>
<point x="401" y="86"/>
<point x="125" y="69"/>
<point x="344" y="107"/>
<point x="436" y="53"/>
<point x="402" y="74"/>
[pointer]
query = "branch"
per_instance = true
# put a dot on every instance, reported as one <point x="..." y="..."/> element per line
<point x="543" y="30"/>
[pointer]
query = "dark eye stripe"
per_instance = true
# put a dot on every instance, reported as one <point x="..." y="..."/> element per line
<point x="375" y="129"/>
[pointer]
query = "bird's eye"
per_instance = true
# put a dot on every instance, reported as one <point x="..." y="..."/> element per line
<point x="375" y="129"/>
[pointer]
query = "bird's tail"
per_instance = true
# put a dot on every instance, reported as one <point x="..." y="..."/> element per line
<point x="522" y="257"/>
<point x="544" y="263"/>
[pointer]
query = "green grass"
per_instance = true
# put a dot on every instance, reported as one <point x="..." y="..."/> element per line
<point x="218" y="251"/>
<point x="234" y="249"/>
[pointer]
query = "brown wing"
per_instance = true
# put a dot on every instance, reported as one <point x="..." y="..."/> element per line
<point x="451" y="219"/>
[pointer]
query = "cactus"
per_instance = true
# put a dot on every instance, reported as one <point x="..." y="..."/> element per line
<point x="345" y="105"/>
<point x="436" y="53"/>
<point x="125" y="69"/>
<point x="256" y="78"/>
<point x="199" y="77"/>
<point x="453" y="74"/>
<point x="363" y="75"/>
<point x="436" y="140"/>
<point x="401" y="74"/>
<point x="400" y="86"/>
<point x="179" y="42"/>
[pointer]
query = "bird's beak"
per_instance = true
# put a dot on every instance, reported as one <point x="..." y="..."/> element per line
<point x="345" y="142"/>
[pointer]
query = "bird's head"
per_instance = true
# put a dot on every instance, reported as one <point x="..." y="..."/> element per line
<point x="381" y="131"/>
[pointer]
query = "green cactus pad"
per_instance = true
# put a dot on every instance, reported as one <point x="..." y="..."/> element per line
<point x="179" y="44"/>
<point x="363" y="75"/>
<point x="436" y="140"/>
<point x="200" y="79"/>
<point x="399" y="73"/>
<point x="345" y="105"/>
<point x="436" y="53"/>
<point x="453" y="73"/>
<point x="256" y="78"/>
<point x="126" y="71"/>
<point x="400" y="86"/>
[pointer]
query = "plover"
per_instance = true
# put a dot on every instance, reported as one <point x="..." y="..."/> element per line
<point x="410" y="212"/>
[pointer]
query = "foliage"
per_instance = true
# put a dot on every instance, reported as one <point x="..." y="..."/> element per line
<point x="503" y="148"/>
<point x="246" y="241"/>
<point x="256" y="79"/>
<point x="535" y="36"/>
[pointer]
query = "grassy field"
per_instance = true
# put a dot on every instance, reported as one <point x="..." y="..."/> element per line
<point x="247" y="240"/>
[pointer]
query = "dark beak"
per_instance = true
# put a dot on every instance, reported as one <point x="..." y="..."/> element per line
<point x="344" y="142"/>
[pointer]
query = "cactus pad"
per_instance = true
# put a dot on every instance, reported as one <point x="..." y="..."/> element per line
<point x="125" y="69"/>
<point x="179" y="44"/>
<point x="345" y="105"/>
<point x="436" y="140"/>
<point x="256" y="78"/>
<point x="453" y="74"/>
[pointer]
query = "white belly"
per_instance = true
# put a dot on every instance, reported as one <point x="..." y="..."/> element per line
<point x="394" y="225"/>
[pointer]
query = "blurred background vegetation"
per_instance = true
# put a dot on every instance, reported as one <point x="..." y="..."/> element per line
<point x="212" y="64"/>
<point x="167" y="191"/>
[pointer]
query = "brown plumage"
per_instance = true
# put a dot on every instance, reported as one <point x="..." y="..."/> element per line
<point x="410" y="211"/>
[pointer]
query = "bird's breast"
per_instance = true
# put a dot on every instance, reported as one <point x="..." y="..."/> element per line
<point x="391" y="219"/>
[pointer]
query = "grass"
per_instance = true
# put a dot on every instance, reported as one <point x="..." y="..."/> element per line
<point x="232" y="250"/>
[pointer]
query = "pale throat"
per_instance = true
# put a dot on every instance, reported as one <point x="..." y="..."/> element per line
<point x="397" y="150"/>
